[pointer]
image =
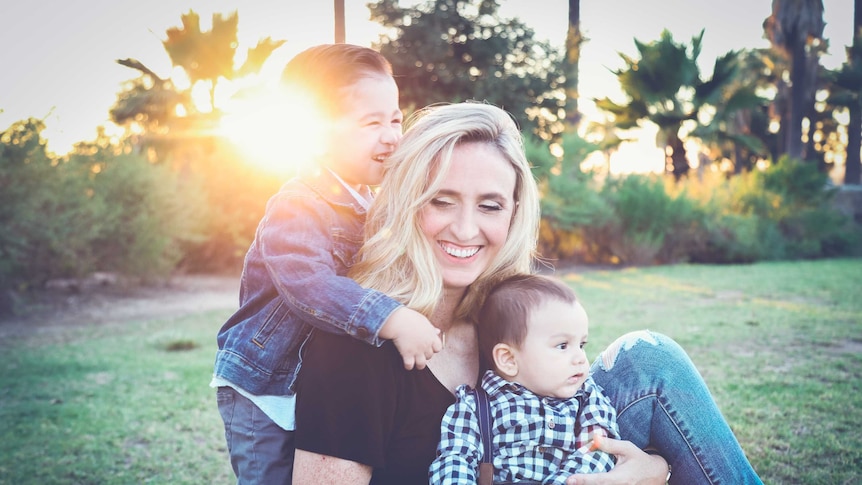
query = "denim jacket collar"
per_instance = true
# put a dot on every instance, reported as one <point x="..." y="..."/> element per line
<point x="330" y="189"/>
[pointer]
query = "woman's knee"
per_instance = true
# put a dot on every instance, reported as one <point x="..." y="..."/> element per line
<point x="640" y="345"/>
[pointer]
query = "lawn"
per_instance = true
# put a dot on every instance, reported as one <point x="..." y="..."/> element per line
<point x="780" y="345"/>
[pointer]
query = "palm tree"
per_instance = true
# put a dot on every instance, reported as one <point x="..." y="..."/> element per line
<point x="738" y="130"/>
<point x="664" y="86"/>
<point x="149" y="103"/>
<point x="847" y="92"/>
<point x="209" y="55"/>
<point x="573" y="56"/>
<point x="793" y="27"/>
<point x="340" y="35"/>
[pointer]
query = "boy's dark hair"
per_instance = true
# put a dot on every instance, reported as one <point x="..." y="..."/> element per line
<point x="324" y="70"/>
<point x="503" y="316"/>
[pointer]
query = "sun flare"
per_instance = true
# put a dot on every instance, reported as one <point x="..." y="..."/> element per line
<point x="274" y="129"/>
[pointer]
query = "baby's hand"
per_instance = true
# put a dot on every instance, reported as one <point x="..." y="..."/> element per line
<point x="413" y="335"/>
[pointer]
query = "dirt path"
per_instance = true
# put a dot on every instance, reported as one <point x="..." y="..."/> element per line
<point x="181" y="295"/>
<point x="94" y="304"/>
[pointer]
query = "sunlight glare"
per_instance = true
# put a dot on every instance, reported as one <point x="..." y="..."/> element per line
<point x="275" y="130"/>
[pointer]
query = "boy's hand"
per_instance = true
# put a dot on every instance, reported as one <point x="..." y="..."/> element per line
<point x="413" y="335"/>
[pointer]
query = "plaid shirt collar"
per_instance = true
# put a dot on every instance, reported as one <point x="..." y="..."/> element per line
<point x="495" y="385"/>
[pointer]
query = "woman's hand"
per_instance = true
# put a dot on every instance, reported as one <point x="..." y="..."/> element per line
<point x="634" y="467"/>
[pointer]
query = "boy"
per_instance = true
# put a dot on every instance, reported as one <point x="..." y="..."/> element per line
<point x="293" y="278"/>
<point x="544" y="406"/>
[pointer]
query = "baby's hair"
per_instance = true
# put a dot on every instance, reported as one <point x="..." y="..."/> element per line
<point x="323" y="71"/>
<point x="503" y="316"/>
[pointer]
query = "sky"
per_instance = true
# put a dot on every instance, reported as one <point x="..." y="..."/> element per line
<point x="57" y="57"/>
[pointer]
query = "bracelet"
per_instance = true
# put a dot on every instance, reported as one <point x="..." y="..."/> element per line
<point x="669" y="470"/>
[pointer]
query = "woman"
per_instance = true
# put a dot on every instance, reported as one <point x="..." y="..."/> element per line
<point x="458" y="211"/>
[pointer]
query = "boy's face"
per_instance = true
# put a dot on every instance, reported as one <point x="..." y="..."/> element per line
<point x="551" y="362"/>
<point x="366" y="132"/>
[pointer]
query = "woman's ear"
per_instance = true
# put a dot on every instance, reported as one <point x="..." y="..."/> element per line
<point x="504" y="360"/>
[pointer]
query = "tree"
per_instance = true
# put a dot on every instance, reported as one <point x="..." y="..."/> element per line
<point x="847" y="92"/>
<point x="570" y="63"/>
<point x="794" y="27"/>
<point x="738" y="129"/>
<point x="209" y="55"/>
<point x="455" y="50"/>
<point x="664" y="86"/>
<point x="162" y="116"/>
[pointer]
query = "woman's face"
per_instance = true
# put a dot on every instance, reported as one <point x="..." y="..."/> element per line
<point x="467" y="220"/>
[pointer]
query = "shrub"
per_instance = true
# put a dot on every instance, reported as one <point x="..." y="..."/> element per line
<point x="95" y="211"/>
<point x="806" y="215"/>
<point x="651" y="225"/>
<point x="235" y="197"/>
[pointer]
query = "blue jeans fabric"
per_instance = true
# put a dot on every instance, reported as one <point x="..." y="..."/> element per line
<point x="663" y="403"/>
<point x="261" y="452"/>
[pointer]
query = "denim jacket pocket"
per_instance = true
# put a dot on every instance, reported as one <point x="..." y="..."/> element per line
<point x="270" y="325"/>
<point x="345" y="245"/>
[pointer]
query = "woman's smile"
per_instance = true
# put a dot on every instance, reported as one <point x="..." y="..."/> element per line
<point x="468" y="217"/>
<point x="459" y="252"/>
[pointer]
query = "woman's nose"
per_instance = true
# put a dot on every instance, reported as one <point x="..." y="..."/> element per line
<point x="464" y="227"/>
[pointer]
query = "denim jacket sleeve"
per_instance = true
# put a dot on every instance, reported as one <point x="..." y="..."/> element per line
<point x="307" y="245"/>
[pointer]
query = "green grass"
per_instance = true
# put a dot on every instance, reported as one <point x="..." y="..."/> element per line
<point x="112" y="404"/>
<point x="780" y="345"/>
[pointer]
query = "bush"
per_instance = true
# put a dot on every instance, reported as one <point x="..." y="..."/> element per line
<point x="95" y="211"/>
<point x="650" y="224"/>
<point x="805" y="213"/>
<point x="784" y="212"/>
<point x="570" y="205"/>
<point x="235" y="197"/>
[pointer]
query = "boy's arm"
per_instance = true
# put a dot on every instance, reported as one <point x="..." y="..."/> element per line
<point x="460" y="450"/>
<point x="296" y="245"/>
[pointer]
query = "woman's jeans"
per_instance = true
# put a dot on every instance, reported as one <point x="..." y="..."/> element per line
<point x="261" y="452"/>
<point x="663" y="403"/>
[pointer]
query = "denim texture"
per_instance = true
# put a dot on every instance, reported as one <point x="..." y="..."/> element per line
<point x="663" y="403"/>
<point x="260" y="451"/>
<point x="293" y="281"/>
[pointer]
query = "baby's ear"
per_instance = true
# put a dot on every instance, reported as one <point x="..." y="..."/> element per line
<point x="504" y="360"/>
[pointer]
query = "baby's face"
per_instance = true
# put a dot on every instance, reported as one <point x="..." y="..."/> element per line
<point x="551" y="361"/>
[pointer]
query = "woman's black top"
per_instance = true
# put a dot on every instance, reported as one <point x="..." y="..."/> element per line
<point x="357" y="402"/>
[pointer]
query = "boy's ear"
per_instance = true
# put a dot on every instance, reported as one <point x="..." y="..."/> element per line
<point x="504" y="360"/>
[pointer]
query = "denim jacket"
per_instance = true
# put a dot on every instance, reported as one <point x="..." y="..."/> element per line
<point x="293" y="282"/>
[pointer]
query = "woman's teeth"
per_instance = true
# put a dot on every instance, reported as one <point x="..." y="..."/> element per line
<point x="460" y="252"/>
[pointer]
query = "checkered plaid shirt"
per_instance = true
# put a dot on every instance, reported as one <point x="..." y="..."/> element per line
<point x="533" y="438"/>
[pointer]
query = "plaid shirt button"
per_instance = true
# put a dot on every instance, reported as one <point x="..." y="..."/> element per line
<point x="551" y="423"/>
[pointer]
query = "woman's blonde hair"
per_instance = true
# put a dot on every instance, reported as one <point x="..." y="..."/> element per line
<point x="396" y="258"/>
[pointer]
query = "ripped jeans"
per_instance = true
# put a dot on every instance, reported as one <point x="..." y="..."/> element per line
<point x="663" y="403"/>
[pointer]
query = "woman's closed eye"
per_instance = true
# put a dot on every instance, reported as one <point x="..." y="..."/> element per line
<point x="442" y="202"/>
<point x="490" y="206"/>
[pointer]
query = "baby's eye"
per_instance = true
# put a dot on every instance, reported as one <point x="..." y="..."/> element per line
<point x="583" y="344"/>
<point x="562" y="346"/>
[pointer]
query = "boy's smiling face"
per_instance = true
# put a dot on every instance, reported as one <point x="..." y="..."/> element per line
<point x="365" y="132"/>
